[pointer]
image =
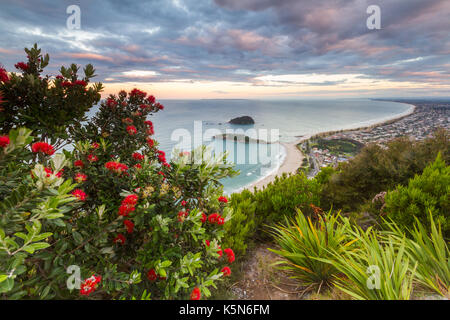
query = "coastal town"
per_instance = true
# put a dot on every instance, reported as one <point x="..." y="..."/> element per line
<point x="420" y="124"/>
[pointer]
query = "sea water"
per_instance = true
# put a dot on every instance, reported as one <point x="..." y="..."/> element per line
<point x="183" y="124"/>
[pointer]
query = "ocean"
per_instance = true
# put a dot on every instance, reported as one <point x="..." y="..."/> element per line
<point x="184" y="124"/>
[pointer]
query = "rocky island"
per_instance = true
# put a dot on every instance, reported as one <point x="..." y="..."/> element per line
<point x="242" y="120"/>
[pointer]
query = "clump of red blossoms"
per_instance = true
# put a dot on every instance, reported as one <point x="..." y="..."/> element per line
<point x="138" y="156"/>
<point x="89" y="285"/>
<point x="78" y="163"/>
<point x="95" y="145"/>
<point x="3" y="75"/>
<point x="111" y="103"/>
<point x="4" y="141"/>
<point x="230" y="254"/>
<point x="81" y="83"/>
<point x="161" y="156"/>
<point x="150" y="143"/>
<point x="182" y="215"/>
<point x="137" y="93"/>
<point x="120" y="239"/>
<point x="80" y="177"/>
<point x="223" y="199"/>
<point x="129" y="225"/>
<point x="128" y="205"/>
<point x="212" y="218"/>
<point x="127" y="120"/>
<point x="183" y="203"/>
<point x="78" y="193"/>
<point x="92" y="158"/>
<point x="220" y="220"/>
<point x="116" y="167"/>
<point x="196" y="294"/>
<point x="42" y="147"/>
<point x="131" y="130"/>
<point x="21" y="66"/>
<point x="226" y="271"/>
<point x="151" y="275"/>
<point x="203" y="218"/>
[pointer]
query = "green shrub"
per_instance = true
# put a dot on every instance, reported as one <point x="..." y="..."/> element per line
<point x="244" y="224"/>
<point x="269" y="206"/>
<point x="302" y="243"/>
<point x="428" y="192"/>
<point x="431" y="253"/>
<point x="376" y="169"/>
<point x="378" y="270"/>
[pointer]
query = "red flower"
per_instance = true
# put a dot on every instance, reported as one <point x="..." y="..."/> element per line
<point x="78" y="163"/>
<point x="89" y="285"/>
<point x="144" y="106"/>
<point x="207" y="242"/>
<point x="150" y="143"/>
<point x="42" y="147"/>
<point x="4" y="141"/>
<point x="116" y="167"/>
<point x="120" y="239"/>
<point x="160" y="106"/>
<point x="196" y="294"/>
<point x="111" y="103"/>
<point x="130" y="199"/>
<point x="220" y="220"/>
<point x="95" y="145"/>
<point x="92" y="158"/>
<point x="138" y="156"/>
<point x="81" y="83"/>
<point x="80" y="177"/>
<point x="128" y="205"/>
<point x="151" y="275"/>
<point x="220" y="252"/>
<point x="226" y="271"/>
<point x="66" y="84"/>
<point x="3" y="75"/>
<point x="230" y="254"/>
<point x="78" y="193"/>
<point x="138" y="93"/>
<point x="212" y="218"/>
<point x="223" y="199"/>
<point x="182" y="215"/>
<point x="49" y="172"/>
<point x="204" y="217"/>
<point x="138" y="166"/>
<point x="131" y="130"/>
<point x="60" y="173"/>
<point x="183" y="203"/>
<point x="161" y="173"/>
<point x="129" y="225"/>
<point x="21" y="66"/>
<point x="151" y="99"/>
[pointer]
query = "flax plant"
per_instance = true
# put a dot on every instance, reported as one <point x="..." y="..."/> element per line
<point x="303" y="241"/>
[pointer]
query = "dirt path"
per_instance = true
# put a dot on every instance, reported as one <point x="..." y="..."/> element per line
<point x="261" y="281"/>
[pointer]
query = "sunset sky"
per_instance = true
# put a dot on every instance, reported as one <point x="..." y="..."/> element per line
<point x="185" y="49"/>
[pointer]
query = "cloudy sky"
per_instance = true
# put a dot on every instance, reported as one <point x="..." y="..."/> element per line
<point x="241" y="48"/>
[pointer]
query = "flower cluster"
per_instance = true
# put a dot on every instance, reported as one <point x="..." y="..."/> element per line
<point x="21" y="66"/>
<point x="4" y="141"/>
<point x="3" y="75"/>
<point x="216" y="218"/>
<point x="90" y="285"/>
<point x="80" y="177"/>
<point x="42" y="147"/>
<point x="131" y="130"/>
<point x="116" y="167"/>
<point x="79" y="194"/>
<point x="137" y="156"/>
<point x="128" y="205"/>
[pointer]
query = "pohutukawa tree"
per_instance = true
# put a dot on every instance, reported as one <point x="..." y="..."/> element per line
<point x="133" y="223"/>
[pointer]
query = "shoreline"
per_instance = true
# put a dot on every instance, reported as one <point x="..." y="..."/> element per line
<point x="294" y="157"/>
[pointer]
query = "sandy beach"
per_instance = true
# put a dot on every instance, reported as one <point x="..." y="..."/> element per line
<point x="291" y="163"/>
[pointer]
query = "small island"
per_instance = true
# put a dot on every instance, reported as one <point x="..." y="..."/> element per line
<point x="242" y="120"/>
